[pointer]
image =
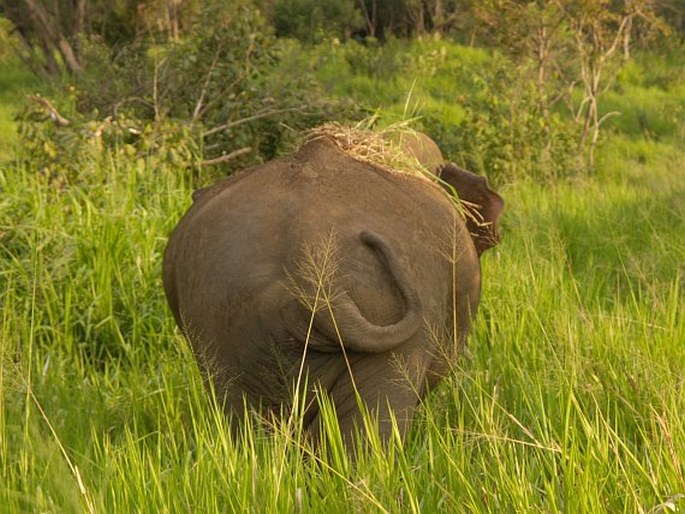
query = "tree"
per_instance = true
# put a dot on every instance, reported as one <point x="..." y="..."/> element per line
<point x="313" y="20"/>
<point x="673" y="14"/>
<point x="406" y="18"/>
<point x="49" y="30"/>
<point x="213" y="93"/>
<point x="42" y="34"/>
<point x="567" y="43"/>
<point x="599" y="30"/>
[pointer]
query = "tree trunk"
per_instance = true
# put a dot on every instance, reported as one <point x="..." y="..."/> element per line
<point x="30" y="57"/>
<point x="438" y="15"/>
<point x="174" y="6"/>
<point x="51" y="64"/>
<point x="369" y="18"/>
<point x="51" y="37"/>
<point x="627" y="33"/>
<point x="79" y="17"/>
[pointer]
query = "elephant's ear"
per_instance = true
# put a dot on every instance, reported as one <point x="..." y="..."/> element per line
<point x="483" y="204"/>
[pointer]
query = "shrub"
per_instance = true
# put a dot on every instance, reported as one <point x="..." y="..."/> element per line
<point x="313" y="21"/>
<point x="505" y="133"/>
<point x="218" y="96"/>
<point x="77" y="149"/>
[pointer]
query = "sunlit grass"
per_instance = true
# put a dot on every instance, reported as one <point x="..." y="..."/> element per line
<point x="569" y="398"/>
<point x="15" y="82"/>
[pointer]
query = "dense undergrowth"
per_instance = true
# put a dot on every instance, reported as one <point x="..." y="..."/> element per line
<point x="569" y="398"/>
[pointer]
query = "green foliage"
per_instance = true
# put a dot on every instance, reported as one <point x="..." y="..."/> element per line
<point x="312" y="21"/>
<point x="650" y="96"/>
<point x="75" y="153"/>
<point x="218" y="95"/>
<point x="507" y="134"/>
<point x="7" y="42"/>
<point x="376" y="61"/>
<point x="465" y="98"/>
<point x="562" y="404"/>
<point x="15" y="82"/>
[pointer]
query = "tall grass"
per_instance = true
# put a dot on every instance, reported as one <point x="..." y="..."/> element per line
<point x="568" y="399"/>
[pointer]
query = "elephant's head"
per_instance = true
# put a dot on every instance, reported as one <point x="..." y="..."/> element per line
<point x="482" y="203"/>
<point x="421" y="147"/>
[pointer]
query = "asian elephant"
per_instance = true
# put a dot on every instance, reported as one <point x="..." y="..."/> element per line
<point x="361" y="278"/>
<point x="419" y="146"/>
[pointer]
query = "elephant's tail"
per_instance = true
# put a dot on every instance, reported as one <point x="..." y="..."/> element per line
<point x="354" y="330"/>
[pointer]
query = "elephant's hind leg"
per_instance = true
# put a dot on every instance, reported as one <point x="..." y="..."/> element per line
<point x="387" y="387"/>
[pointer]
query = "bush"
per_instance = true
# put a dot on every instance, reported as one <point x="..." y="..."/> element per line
<point x="218" y="96"/>
<point x="483" y="111"/>
<point x="505" y="134"/>
<point x="313" y="21"/>
<point x="68" y="154"/>
<point x="7" y="41"/>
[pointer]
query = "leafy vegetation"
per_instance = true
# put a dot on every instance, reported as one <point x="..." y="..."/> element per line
<point x="214" y="97"/>
<point x="569" y="397"/>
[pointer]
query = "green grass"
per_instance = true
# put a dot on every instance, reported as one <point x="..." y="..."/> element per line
<point x="569" y="400"/>
<point x="15" y="82"/>
<point x="400" y="80"/>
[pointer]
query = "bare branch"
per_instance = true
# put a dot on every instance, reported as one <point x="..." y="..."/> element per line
<point x="201" y="98"/>
<point x="155" y="87"/>
<point x="218" y="98"/>
<point x="259" y="115"/>
<point x="618" y="36"/>
<point x="607" y="116"/>
<point x="51" y="110"/>
<point x="227" y="157"/>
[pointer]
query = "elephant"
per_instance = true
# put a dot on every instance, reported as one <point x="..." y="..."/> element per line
<point x="419" y="146"/>
<point x="481" y="203"/>
<point x="319" y="272"/>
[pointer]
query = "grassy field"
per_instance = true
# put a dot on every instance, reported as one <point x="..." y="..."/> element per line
<point x="569" y="400"/>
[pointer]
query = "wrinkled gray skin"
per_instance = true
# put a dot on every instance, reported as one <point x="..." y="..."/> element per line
<point x="236" y="259"/>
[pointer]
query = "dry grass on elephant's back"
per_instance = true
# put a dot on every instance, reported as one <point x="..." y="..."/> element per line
<point x="384" y="148"/>
<point x="380" y="147"/>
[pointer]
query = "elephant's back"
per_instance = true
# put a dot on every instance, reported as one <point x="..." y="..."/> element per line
<point x="264" y="215"/>
<point x="247" y="233"/>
